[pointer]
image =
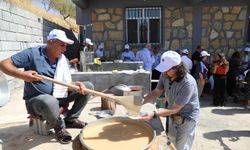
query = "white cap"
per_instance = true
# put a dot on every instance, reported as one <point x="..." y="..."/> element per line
<point x="185" y="51"/>
<point x="126" y="46"/>
<point x="169" y="59"/>
<point x="101" y="46"/>
<point x="88" y="41"/>
<point x="204" y="53"/>
<point x="247" y="49"/>
<point x="60" y="35"/>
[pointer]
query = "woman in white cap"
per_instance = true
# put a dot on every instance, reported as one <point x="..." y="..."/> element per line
<point x="183" y="102"/>
<point x="127" y="55"/>
<point x="201" y="71"/>
<point x="87" y="45"/>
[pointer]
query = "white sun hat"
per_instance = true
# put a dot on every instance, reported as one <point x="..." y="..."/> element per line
<point x="247" y="49"/>
<point x="204" y="53"/>
<point x="169" y="59"/>
<point x="101" y="46"/>
<point x="88" y="41"/>
<point x="126" y="46"/>
<point x="60" y="35"/>
<point x="185" y="51"/>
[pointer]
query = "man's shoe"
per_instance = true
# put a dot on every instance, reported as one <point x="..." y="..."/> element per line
<point x="75" y="123"/>
<point x="63" y="136"/>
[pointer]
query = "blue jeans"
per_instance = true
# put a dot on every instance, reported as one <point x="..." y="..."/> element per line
<point x="182" y="135"/>
<point x="48" y="108"/>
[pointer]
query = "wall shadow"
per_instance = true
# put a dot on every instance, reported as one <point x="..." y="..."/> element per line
<point x="232" y="136"/>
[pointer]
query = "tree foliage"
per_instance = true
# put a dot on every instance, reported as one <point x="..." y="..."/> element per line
<point x="65" y="7"/>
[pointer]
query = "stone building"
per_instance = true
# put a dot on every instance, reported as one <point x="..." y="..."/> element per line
<point x="219" y="25"/>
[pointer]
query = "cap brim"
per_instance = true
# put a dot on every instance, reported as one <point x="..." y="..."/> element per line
<point x="205" y="55"/>
<point x="90" y="43"/>
<point x="66" y="40"/>
<point x="162" y="68"/>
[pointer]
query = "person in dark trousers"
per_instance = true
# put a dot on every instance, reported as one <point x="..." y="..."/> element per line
<point x="196" y="58"/>
<point x="155" y="73"/>
<point x="43" y="98"/>
<point x="233" y="74"/>
<point x="201" y="71"/>
<point x="220" y="69"/>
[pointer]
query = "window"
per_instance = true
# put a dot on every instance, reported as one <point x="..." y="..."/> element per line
<point x="143" y="25"/>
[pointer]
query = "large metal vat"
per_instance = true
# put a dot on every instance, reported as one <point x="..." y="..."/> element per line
<point x="123" y="132"/>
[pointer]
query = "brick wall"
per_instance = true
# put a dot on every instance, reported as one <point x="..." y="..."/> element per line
<point x="20" y="29"/>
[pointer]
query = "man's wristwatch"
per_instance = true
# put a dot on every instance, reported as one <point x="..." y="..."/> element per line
<point x="155" y="114"/>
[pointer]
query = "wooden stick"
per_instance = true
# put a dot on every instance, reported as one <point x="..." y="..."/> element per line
<point x="76" y="87"/>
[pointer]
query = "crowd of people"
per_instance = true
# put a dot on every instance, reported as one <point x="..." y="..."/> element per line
<point x="181" y="81"/>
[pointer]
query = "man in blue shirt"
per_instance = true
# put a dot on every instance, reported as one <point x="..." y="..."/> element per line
<point x="42" y="98"/>
<point x="127" y="55"/>
<point x="183" y="103"/>
<point x="145" y="55"/>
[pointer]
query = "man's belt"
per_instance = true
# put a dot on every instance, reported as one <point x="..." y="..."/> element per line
<point x="178" y="119"/>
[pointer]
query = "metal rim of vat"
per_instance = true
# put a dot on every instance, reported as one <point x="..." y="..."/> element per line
<point x="118" y="118"/>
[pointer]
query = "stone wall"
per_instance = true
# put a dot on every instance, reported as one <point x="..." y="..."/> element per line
<point x="20" y="29"/>
<point x="108" y="28"/>
<point x="223" y="29"/>
<point x="178" y="28"/>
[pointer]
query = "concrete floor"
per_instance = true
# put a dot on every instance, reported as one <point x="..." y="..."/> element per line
<point x="219" y="128"/>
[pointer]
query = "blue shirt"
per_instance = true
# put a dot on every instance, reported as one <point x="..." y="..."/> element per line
<point x="183" y="93"/>
<point x="157" y="58"/>
<point x="37" y="60"/>
<point x="147" y="58"/>
<point x="201" y="68"/>
<point x="99" y="53"/>
<point x="128" y="56"/>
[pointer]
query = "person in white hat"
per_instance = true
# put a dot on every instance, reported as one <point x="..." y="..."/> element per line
<point x="187" y="61"/>
<point x="42" y="98"/>
<point x="127" y="55"/>
<point x="145" y="55"/>
<point x="99" y="53"/>
<point x="183" y="101"/>
<point x="201" y="71"/>
<point x="246" y="61"/>
<point x="87" y="45"/>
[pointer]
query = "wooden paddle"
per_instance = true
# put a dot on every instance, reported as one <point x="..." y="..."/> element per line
<point x="131" y="103"/>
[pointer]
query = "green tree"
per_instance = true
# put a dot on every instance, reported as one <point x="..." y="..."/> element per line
<point x="65" y="7"/>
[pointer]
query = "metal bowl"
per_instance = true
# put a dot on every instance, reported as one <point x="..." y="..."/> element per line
<point x="4" y="90"/>
<point x="117" y="133"/>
